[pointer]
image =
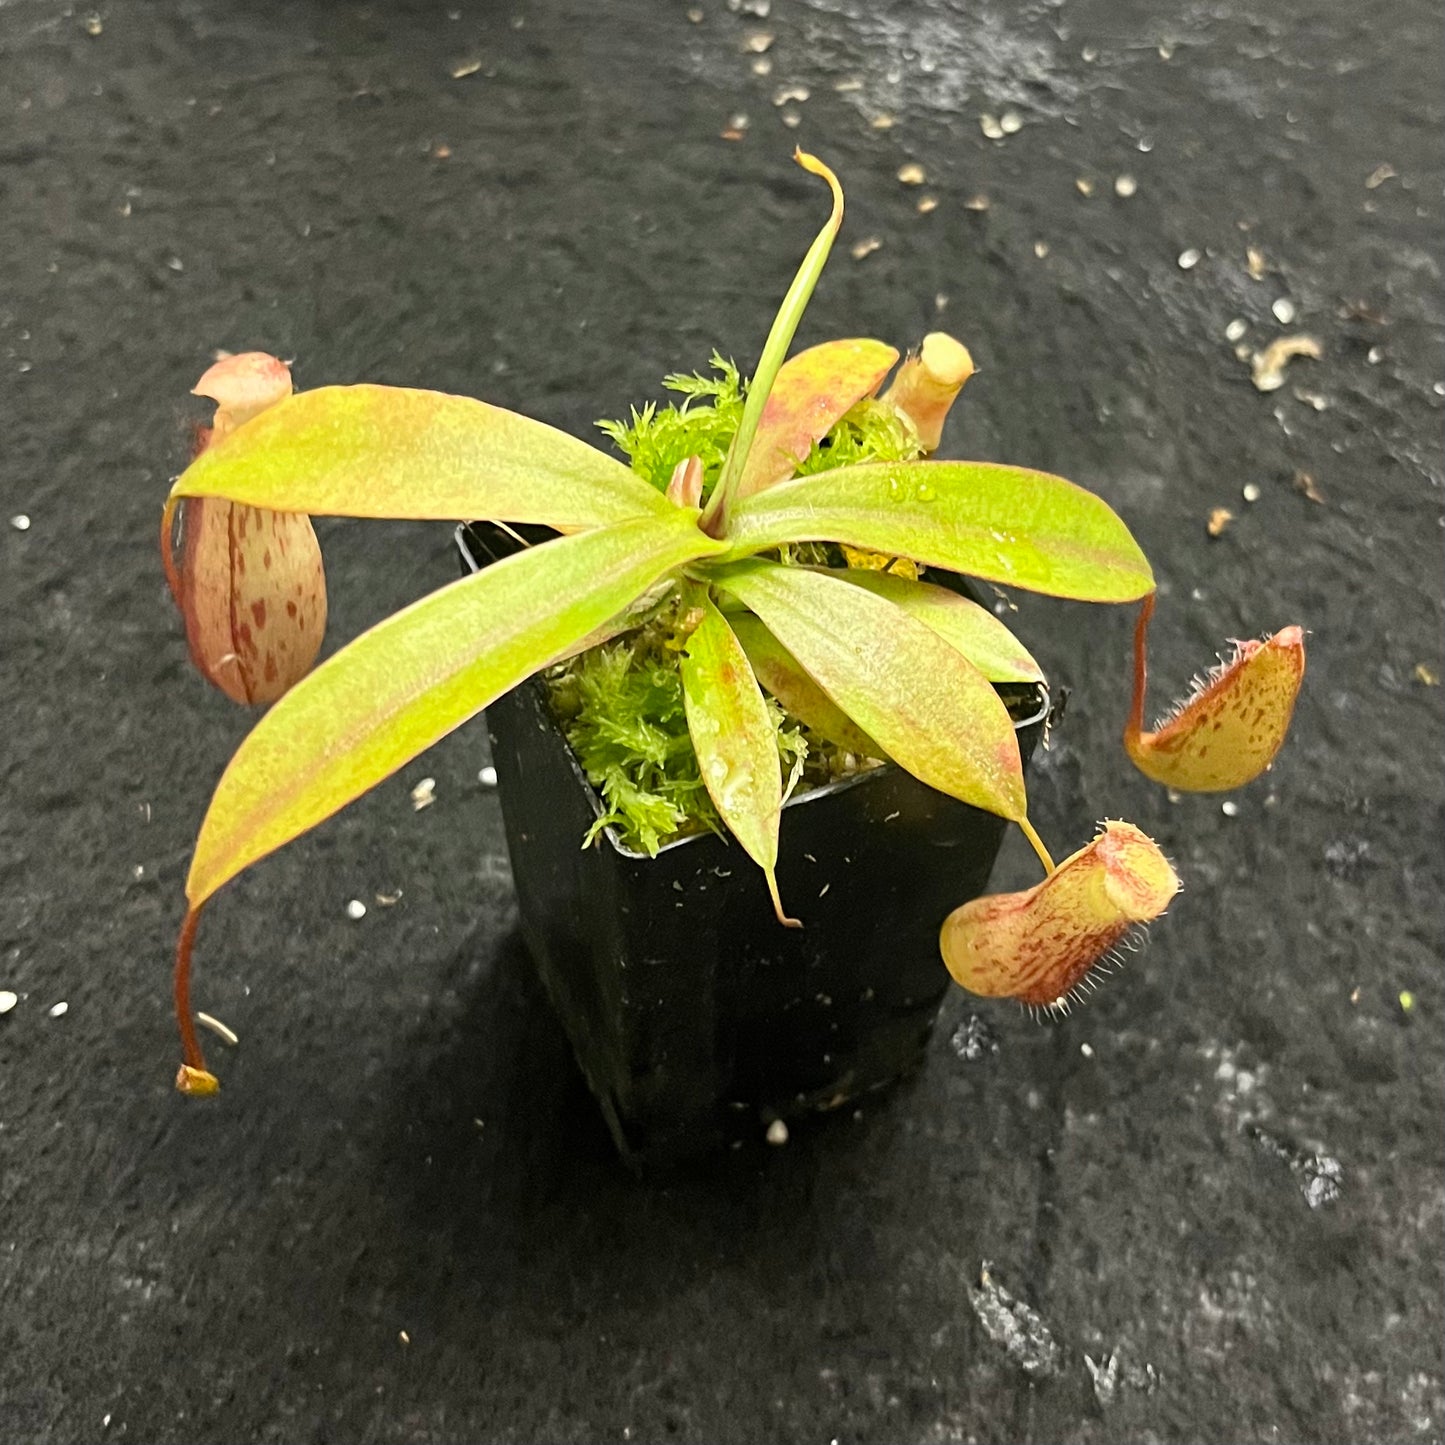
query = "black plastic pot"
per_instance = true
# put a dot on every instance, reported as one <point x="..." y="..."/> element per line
<point x="696" y="1017"/>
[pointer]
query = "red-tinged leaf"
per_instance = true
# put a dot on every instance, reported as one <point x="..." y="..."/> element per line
<point x="812" y="393"/>
<point x="928" y="383"/>
<point x="1038" y="945"/>
<point x="783" y="676"/>
<point x="1008" y="525"/>
<point x="684" y="487"/>
<point x="252" y="591"/>
<point x="972" y="629"/>
<point x="735" y="741"/>
<point x="382" y="451"/>
<point x="1228" y="731"/>
<point x="411" y="679"/>
<point x="918" y="697"/>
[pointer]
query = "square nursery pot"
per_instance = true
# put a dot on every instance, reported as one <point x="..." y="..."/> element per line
<point x="696" y="1017"/>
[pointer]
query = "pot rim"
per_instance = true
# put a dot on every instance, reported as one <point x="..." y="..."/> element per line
<point x="838" y="785"/>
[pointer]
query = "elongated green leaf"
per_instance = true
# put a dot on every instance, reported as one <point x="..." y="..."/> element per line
<point x="1004" y="524"/>
<point x="812" y="393"/>
<point x="784" y="676"/>
<point x="387" y="451"/>
<point x="972" y="629"/>
<point x="775" y="349"/>
<point x="422" y="672"/>
<point x="918" y="696"/>
<point x="734" y="738"/>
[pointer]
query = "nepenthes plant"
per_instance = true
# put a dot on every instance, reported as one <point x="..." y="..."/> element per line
<point x="771" y="564"/>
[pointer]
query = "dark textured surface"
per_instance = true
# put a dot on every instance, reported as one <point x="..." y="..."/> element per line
<point x="402" y="1143"/>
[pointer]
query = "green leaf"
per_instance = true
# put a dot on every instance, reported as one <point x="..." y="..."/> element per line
<point x="812" y="393"/>
<point x="422" y="672"/>
<point x="386" y="451"/>
<point x="1009" y="525"/>
<point x="783" y="676"/>
<point x="932" y="711"/>
<point x="775" y="349"/>
<point x="734" y="739"/>
<point x="972" y="629"/>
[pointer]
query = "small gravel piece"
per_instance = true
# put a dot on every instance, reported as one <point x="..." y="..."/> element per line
<point x="912" y="174"/>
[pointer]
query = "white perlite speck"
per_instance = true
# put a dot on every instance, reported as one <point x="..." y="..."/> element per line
<point x="356" y="909"/>
<point x="8" y="1000"/>
<point x="20" y="522"/>
<point x="1235" y="330"/>
<point x="1284" y="310"/>
<point x="777" y="1132"/>
<point x="1125" y="186"/>
<point x="487" y="777"/>
<point x="59" y="1010"/>
<point x="1189" y="259"/>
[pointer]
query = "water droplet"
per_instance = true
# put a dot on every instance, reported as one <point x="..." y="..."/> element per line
<point x="895" y="489"/>
<point x="925" y="492"/>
